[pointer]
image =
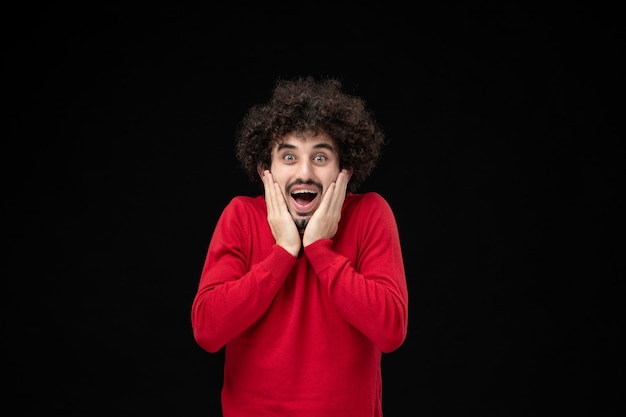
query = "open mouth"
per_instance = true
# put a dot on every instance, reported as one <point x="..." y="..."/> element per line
<point x="304" y="199"/>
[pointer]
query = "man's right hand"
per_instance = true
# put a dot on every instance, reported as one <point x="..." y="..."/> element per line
<point x="281" y="222"/>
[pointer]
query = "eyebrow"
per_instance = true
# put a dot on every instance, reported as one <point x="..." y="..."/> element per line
<point x="327" y="146"/>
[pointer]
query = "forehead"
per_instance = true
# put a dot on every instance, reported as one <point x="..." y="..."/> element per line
<point x="305" y="142"/>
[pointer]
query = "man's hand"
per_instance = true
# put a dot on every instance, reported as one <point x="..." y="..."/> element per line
<point x="325" y="220"/>
<point x="281" y="223"/>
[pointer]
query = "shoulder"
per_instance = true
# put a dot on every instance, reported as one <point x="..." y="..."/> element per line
<point x="368" y="214"/>
<point x="368" y="205"/>
<point x="247" y="201"/>
<point x="370" y="199"/>
<point x="241" y="214"/>
<point x="245" y="206"/>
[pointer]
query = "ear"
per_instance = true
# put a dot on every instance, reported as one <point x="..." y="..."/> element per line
<point x="260" y="167"/>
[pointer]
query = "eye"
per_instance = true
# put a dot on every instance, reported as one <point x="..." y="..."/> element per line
<point x="320" y="158"/>
<point x="289" y="157"/>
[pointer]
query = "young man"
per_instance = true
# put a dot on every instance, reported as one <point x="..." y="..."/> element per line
<point x="304" y="285"/>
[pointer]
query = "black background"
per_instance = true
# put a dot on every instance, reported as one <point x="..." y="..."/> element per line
<point x="503" y="169"/>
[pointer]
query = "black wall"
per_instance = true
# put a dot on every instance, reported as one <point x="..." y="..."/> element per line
<point x="503" y="169"/>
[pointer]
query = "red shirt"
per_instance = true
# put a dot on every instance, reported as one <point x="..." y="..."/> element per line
<point x="303" y="336"/>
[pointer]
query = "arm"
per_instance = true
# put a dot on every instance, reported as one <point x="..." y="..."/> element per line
<point x="231" y="296"/>
<point x="372" y="293"/>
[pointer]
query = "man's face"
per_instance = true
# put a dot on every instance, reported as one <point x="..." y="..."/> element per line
<point x="304" y="166"/>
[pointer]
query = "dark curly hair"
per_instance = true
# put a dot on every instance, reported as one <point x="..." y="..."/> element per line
<point x="304" y="104"/>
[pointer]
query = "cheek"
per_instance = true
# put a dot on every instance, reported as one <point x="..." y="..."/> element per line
<point x="329" y="178"/>
<point x="283" y="173"/>
<point x="276" y="172"/>
<point x="280" y="178"/>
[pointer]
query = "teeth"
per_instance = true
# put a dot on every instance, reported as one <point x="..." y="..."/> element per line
<point x="304" y="192"/>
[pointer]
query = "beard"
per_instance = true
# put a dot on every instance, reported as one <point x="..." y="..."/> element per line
<point x="301" y="223"/>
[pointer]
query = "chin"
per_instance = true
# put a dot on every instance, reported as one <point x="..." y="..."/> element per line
<point x="301" y="222"/>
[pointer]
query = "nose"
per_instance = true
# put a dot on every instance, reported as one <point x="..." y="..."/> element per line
<point x="305" y="169"/>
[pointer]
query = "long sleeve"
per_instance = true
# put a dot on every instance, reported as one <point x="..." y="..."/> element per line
<point x="370" y="291"/>
<point x="305" y="335"/>
<point x="233" y="293"/>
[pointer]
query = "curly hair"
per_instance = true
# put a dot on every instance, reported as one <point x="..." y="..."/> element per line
<point x="304" y="104"/>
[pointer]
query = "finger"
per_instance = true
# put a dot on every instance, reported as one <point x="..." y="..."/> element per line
<point x="343" y="178"/>
<point x="270" y="191"/>
<point x="339" y="191"/>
